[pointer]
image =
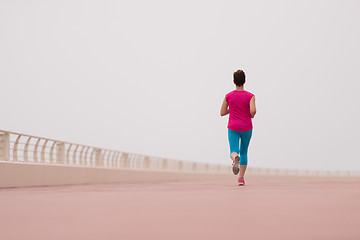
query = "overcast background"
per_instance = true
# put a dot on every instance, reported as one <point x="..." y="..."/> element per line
<point x="149" y="76"/>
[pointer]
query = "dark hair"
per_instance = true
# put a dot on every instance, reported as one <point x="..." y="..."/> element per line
<point x="239" y="78"/>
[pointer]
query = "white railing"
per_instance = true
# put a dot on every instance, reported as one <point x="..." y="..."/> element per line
<point x="23" y="148"/>
<point x="18" y="147"/>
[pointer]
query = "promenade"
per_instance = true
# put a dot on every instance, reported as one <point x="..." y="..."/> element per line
<point x="211" y="207"/>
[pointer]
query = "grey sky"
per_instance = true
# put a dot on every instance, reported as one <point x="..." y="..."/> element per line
<point x="149" y="76"/>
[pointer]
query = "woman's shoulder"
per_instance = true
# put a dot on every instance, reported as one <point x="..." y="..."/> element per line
<point x="249" y="93"/>
<point x="229" y="94"/>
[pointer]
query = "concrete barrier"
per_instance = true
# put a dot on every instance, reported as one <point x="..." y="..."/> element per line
<point x="30" y="174"/>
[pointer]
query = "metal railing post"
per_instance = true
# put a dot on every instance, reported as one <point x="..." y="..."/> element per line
<point x="164" y="164"/>
<point x="60" y="153"/>
<point x="147" y="163"/>
<point x="194" y="167"/>
<point x="5" y="147"/>
<point x="98" y="158"/>
<point x="126" y="160"/>
<point x="206" y="167"/>
<point x="180" y="166"/>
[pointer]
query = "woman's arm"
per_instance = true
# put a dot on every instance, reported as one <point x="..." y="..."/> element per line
<point x="224" y="108"/>
<point x="252" y="107"/>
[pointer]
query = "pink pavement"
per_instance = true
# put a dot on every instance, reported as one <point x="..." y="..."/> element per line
<point x="268" y="207"/>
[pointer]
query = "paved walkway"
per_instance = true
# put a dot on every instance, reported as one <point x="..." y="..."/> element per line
<point x="266" y="208"/>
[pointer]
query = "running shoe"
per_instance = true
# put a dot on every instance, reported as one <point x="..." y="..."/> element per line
<point x="241" y="182"/>
<point x="236" y="165"/>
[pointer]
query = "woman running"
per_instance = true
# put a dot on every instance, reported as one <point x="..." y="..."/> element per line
<point x="241" y="106"/>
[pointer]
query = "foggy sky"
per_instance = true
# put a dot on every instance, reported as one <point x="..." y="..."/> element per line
<point x="149" y="77"/>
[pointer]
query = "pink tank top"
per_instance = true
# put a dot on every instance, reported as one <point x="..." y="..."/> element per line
<point x="239" y="110"/>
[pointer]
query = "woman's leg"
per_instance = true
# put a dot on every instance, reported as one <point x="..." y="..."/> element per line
<point x="234" y="138"/>
<point x="245" y="141"/>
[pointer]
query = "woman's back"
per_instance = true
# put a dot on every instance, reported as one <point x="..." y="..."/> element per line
<point x="239" y="110"/>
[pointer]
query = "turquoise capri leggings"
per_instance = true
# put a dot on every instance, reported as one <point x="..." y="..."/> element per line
<point x="242" y="148"/>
